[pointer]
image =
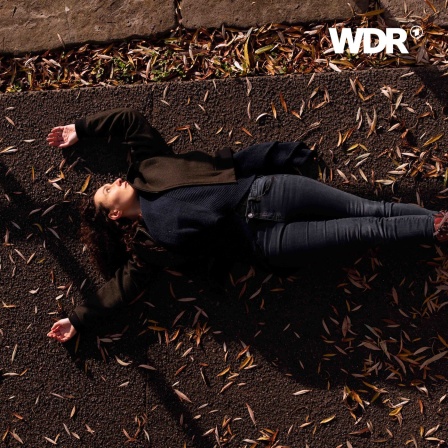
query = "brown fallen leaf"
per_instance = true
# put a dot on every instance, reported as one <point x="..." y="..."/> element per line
<point x="274" y="110"/>
<point x="283" y="103"/>
<point x="85" y="184"/>
<point x="301" y="392"/>
<point x="226" y="370"/>
<point x="16" y="436"/>
<point x="182" y="396"/>
<point x="122" y="363"/>
<point x="10" y="121"/>
<point x="328" y="419"/>
<point x="147" y="367"/>
<point x="9" y="149"/>
<point x="360" y="432"/>
<point x="54" y="442"/>
<point x="171" y="141"/>
<point x="226" y="386"/>
<point x="433" y="139"/>
<point x="396" y="411"/>
<point x="434" y="358"/>
<point x="251" y="414"/>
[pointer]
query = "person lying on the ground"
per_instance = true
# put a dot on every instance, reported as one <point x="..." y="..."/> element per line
<point x="252" y="205"/>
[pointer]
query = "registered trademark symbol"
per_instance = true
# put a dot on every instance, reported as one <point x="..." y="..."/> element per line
<point x="416" y="32"/>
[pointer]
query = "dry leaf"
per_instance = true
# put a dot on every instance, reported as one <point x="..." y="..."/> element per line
<point x="328" y="419"/>
<point x="301" y="392"/>
<point x="147" y="367"/>
<point x="10" y="121"/>
<point x="182" y="396"/>
<point x="15" y="435"/>
<point x="251" y="414"/>
<point x="122" y="363"/>
<point x="85" y="184"/>
<point x="434" y="358"/>
<point x="433" y="139"/>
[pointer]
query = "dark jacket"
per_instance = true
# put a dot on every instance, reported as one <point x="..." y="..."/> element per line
<point x="155" y="168"/>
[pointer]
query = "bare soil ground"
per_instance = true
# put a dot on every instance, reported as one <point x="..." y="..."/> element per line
<point x="349" y="351"/>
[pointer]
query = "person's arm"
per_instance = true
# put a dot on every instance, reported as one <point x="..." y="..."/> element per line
<point x="126" y="126"/>
<point x="63" y="136"/>
<point x="272" y="158"/>
<point x="128" y="283"/>
<point x="62" y="330"/>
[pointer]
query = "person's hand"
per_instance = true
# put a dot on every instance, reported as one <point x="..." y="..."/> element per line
<point x="62" y="330"/>
<point x="62" y="136"/>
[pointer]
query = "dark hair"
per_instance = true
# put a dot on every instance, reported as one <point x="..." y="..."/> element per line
<point x="108" y="240"/>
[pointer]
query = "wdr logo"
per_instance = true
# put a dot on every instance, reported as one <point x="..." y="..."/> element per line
<point x="392" y="37"/>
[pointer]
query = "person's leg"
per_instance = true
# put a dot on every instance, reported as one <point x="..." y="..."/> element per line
<point x="283" y="197"/>
<point x="290" y="244"/>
